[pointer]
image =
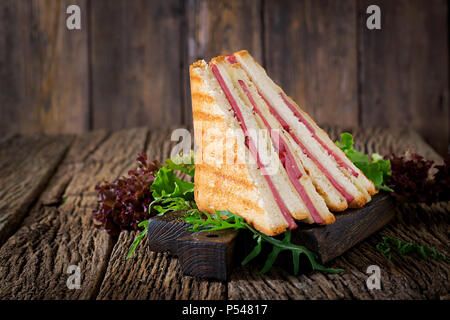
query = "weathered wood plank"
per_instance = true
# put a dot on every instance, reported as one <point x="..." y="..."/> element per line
<point x="310" y="49"/>
<point x="136" y="71"/>
<point x="119" y="151"/>
<point x="34" y="261"/>
<point x="401" y="279"/>
<point x="149" y="275"/>
<point x="216" y="28"/>
<point x="26" y="165"/>
<point x="43" y="68"/>
<point x="404" y="68"/>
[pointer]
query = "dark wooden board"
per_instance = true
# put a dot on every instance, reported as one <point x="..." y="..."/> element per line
<point x="211" y="254"/>
<point x="351" y="227"/>
<point x="204" y="254"/>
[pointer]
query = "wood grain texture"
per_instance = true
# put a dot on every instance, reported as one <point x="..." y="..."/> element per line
<point x="164" y="231"/>
<point x="136" y="63"/>
<point x="310" y="49"/>
<point x="206" y="256"/>
<point x="43" y="68"/>
<point x="57" y="234"/>
<point x="402" y="78"/>
<point x="401" y="279"/>
<point x="26" y="165"/>
<point x="213" y="27"/>
<point x="158" y="275"/>
<point x="216" y="28"/>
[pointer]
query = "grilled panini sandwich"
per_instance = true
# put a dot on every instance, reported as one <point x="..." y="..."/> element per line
<point x="259" y="155"/>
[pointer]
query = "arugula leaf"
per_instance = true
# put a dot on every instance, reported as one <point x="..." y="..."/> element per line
<point x="172" y="204"/>
<point x="219" y="221"/>
<point x="203" y="221"/>
<point x="138" y="238"/>
<point x="256" y="250"/>
<point x="377" y="169"/>
<point x="389" y="244"/>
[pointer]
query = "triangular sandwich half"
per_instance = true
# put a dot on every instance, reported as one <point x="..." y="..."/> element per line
<point x="255" y="157"/>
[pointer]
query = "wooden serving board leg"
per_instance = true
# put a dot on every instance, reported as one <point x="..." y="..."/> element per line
<point x="200" y="254"/>
<point x="207" y="254"/>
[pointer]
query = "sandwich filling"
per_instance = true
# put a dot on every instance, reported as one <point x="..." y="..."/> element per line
<point x="286" y="158"/>
<point x="250" y="144"/>
<point x="348" y="197"/>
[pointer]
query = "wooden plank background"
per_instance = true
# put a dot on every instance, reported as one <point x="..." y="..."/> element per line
<point x="128" y="64"/>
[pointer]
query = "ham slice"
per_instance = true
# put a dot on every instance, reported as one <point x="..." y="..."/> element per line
<point x="348" y="197"/>
<point x="252" y="147"/>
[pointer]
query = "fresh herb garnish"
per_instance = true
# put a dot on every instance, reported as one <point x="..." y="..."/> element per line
<point x="389" y="244"/>
<point x="140" y="236"/>
<point x="377" y="169"/>
<point x="202" y="221"/>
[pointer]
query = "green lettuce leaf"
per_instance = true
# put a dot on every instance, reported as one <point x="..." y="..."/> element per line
<point x="376" y="169"/>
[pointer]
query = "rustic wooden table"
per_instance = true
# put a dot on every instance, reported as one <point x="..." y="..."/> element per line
<point x="41" y="235"/>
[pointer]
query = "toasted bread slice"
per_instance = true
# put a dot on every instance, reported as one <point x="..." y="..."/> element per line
<point x="222" y="184"/>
